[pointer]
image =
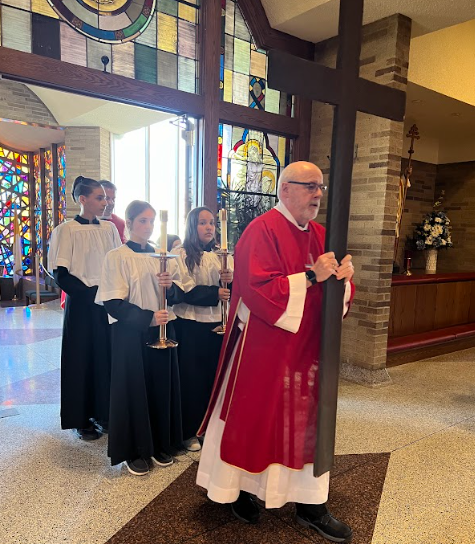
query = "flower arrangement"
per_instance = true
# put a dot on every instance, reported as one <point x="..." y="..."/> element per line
<point x="434" y="231"/>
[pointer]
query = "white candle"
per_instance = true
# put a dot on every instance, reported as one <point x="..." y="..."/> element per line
<point x="163" y="230"/>
<point x="224" y="229"/>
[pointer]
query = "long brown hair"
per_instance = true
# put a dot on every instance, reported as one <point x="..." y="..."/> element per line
<point x="192" y="244"/>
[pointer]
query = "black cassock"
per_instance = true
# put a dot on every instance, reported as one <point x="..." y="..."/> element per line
<point x="85" y="355"/>
<point x="145" y="406"/>
<point x="198" y="352"/>
<point x="76" y="254"/>
<point x="145" y="415"/>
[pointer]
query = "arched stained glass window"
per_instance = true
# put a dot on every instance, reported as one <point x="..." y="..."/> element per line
<point x="14" y="199"/>
<point x="243" y="67"/>
<point x="249" y="165"/>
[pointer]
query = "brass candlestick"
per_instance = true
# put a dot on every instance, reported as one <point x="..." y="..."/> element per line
<point x="221" y="329"/>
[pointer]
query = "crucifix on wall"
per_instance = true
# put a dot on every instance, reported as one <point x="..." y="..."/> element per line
<point x="349" y="93"/>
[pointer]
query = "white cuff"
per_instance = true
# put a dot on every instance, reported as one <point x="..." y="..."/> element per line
<point x="292" y="317"/>
<point x="346" y="298"/>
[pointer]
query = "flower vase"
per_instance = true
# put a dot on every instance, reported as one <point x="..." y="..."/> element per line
<point x="431" y="261"/>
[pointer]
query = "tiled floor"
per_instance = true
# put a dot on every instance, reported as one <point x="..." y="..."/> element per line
<point x="404" y="474"/>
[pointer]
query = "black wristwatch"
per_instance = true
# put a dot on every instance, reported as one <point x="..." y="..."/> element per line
<point x="311" y="276"/>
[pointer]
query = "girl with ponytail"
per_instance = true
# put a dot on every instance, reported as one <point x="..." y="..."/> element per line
<point x="76" y="254"/>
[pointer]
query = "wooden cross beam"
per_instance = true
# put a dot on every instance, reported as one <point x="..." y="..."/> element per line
<point x="343" y="88"/>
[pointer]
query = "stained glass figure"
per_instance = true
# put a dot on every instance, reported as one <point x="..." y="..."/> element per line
<point x="243" y="67"/>
<point x="14" y="198"/>
<point x="109" y="21"/>
<point x="249" y="165"/>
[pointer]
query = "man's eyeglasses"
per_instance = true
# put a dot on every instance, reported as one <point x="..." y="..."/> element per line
<point x="311" y="187"/>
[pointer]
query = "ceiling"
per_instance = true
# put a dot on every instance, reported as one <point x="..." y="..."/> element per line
<point x="27" y="137"/>
<point x="439" y="116"/>
<point x="317" y="20"/>
<point x="71" y="110"/>
<point x="74" y="110"/>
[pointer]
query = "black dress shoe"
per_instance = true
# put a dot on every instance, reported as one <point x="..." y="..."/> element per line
<point x="88" y="434"/>
<point x="319" y="518"/>
<point x="245" y="508"/>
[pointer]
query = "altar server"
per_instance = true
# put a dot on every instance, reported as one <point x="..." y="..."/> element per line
<point x="76" y="254"/>
<point x="145" y="415"/>
<point x="198" y="315"/>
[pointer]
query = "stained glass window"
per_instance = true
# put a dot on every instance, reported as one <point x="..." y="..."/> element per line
<point x="14" y="199"/>
<point x="243" y="67"/>
<point x="249" y="165"/>
<point x="48" y="195"/>
<point x="150" y="40"/>
<point x="61" y="184"/>
<point x="38" y="201"/>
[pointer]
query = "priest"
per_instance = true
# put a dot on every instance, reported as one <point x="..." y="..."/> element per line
<point x="261" y="422"/>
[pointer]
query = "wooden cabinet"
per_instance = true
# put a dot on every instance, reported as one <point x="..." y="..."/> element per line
<point x="424" y="303"/>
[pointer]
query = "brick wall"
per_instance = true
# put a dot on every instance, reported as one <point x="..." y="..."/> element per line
<point x="19" y="103"/>
<point x="458" y="181"/>
<point x="384" y="59"/>
<point x="87" y="154"/>
<point x="419" y="201"/>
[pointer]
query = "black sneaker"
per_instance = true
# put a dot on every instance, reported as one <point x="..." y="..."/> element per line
<point x="88" y="434"/>
<point x="319" y="518"/>
<point x="102" y="426"/>
<point x="162" y="459"/>
<point x="245" y="508"/>
<point x="137" y="467"/>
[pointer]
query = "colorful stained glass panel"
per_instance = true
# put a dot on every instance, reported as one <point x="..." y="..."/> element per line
<point x="14" y="199"/>
<point x="61" y="183"/>
<point x="241" y="57"/>
<point x="249" y="165"/>
<point x="53" y="28"/>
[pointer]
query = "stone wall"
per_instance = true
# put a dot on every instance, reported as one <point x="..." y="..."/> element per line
<point x="19" y="103"/>
<point x="88" y="155"/>
<point x="384" y="59"/>
<point x="458" y="181"/>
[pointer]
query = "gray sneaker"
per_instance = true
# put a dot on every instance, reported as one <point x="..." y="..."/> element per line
<point x="192" y="444"/>
<point x="137" y="467"/>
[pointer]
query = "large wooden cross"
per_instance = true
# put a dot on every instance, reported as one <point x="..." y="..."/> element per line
<point x="343" y="88"/>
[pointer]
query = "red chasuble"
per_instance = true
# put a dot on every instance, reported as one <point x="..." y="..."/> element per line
<point x="270" y="405"/>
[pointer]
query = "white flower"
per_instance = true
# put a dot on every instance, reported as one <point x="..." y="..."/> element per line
<point x="438" y="220"/>
<point x="429" y="241"/>
<point x="427" y="226"/>
<point x="444" y="243"/>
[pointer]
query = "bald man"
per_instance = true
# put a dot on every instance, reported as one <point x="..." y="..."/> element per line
<point x="261" y="422"/>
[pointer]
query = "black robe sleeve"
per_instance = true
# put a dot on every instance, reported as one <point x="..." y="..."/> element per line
<point x="73" y="286"/>
<point x="175" y="295"/>
<point x="202" y="295"/>
<point x="129" y="314"/>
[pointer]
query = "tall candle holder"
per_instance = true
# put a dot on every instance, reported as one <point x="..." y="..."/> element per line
<point x="163" y="342"/>
<point x="223" y="255"/>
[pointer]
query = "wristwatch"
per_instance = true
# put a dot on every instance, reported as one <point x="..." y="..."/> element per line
<point x="311" y="276"/>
